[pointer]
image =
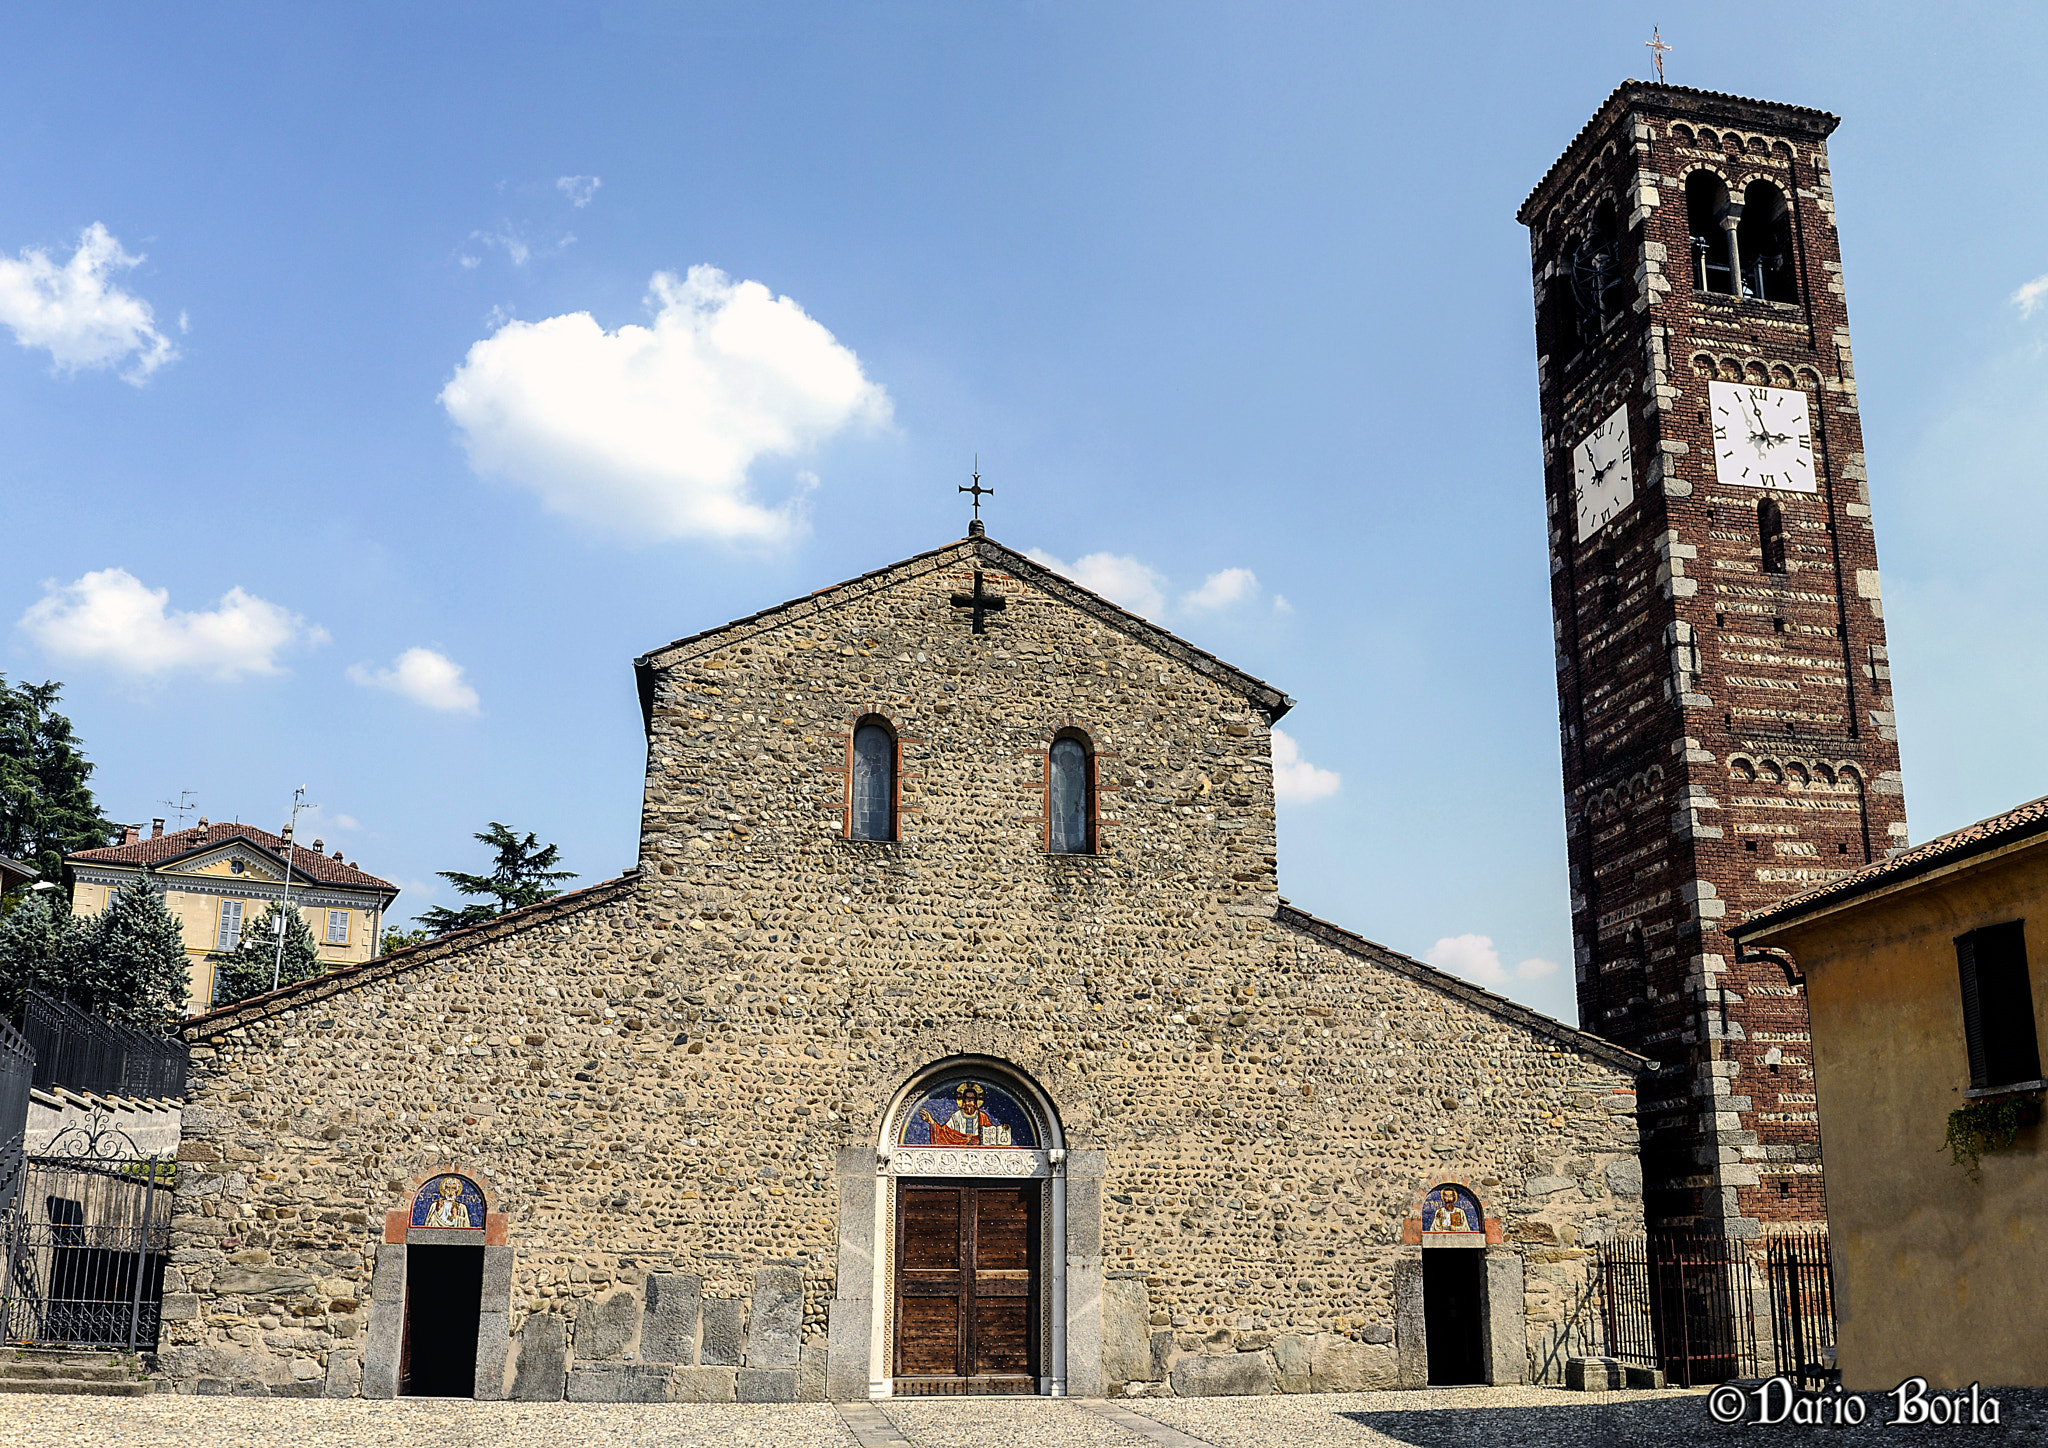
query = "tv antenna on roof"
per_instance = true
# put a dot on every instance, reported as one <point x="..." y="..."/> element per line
<point x="183" y="805"/>
<point x="284" y="909"/>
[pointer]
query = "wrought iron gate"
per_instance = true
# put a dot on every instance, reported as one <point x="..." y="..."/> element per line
<point x="85" y="1244"/>
<point x="1802" y="1307"/>
<point x="1682" y="1302"/>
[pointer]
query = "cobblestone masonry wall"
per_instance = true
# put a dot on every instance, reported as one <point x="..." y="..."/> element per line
<point x="1727" y="732"/>
<point x="655" y="1076"/>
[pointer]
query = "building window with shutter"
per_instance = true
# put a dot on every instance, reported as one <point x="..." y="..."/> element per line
<point x="871" y="781"/>
<point x="230" y="925"/>
<point x="1070" y="795"/>
<point x="337" y="927"/>
<point x="1998" y="1007"/>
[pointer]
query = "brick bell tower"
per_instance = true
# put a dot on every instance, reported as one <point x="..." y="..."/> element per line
<point x="1724" y="697"/>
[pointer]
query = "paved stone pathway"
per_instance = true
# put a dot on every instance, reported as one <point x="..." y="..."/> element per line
<point x="1441" y="1418"/>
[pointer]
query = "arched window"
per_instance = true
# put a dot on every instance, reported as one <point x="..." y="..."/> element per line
<point x="1599" y="279"/>
<point x="1706" y="202"/>
<point x="1764" y="237"/>
<point x="1070" y="795"/>
<point x="872" y="806"/>
<point x="1770" y="532"/>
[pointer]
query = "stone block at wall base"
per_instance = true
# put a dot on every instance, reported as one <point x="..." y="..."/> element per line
<point x="810" y="1371"/>
<point x="1339" y="1365"/>
<point x="1126" y="1325"/>
<point x="703" y="1385"/>
<point x="846" y="1361"/>
<point x="1593" y="1374"/>
<point x="543" y="1359"/>
<point x="493" y="1347"/>
<point x="1643" y="1377"/>
<point x="344" y="1375"/>
<point x="668" y="1325"/>
<point x="1411" y="1327"/>
<point x="604" y="1328"/>
<point x="619" y="1383"/>
<point x="725" y="1332"/>
<point x="766" y="1385"/>
<point x="1239" y="1375"/>
<point x="1291" y="1358"/>
<point x="776" y="1323"/>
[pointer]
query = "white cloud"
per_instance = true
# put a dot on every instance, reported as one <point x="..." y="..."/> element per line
<point x="1295" y="780"/>
<point x="652" y="431"/>
<point x="519" y="249"/>
<point x="1474" y="957"/>
<point x="1281" y="605"/>
<point x="1221" y="590"/>
<point x="110" y="617"/>
<point x="1118" y="577"/>
<point x="579" y="189"/>
<point x="2030" y="296"/>
<point x="77" y="314"/>
<point x="423" y="676"/>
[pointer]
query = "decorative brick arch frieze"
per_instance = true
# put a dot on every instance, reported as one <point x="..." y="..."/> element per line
<point x="1411" y="1224"/>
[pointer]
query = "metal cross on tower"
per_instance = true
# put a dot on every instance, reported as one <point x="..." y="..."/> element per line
<point x="1657" y="48"/>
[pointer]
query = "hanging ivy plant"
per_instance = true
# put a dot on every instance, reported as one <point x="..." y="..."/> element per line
<point x="1982" y="1127"/>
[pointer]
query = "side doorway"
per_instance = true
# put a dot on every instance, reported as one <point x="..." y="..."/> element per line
<point x="967" y="1288"/>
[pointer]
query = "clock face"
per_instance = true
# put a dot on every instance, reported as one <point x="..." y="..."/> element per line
<point x="1604" y="470"/>
<point x="1761" y="437"/>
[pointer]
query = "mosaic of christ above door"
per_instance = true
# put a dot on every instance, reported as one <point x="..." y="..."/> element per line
<point x="449" y="1201"/>
<point x="1451" y="1209"/>
<point x="969" y="1112"/>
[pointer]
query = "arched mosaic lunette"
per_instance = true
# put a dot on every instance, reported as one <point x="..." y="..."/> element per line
<point x="449" y="1201"/>
<point x="973" y="1110"/>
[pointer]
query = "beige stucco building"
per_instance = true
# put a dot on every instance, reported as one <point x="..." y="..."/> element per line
<point x="1923" y="1002"/>
<point x="218" y="879"/>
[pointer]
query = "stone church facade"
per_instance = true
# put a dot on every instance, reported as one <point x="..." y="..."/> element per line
<point x="950" y="1036"/>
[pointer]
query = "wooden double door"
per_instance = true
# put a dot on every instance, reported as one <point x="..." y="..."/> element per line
<point x="967" y="1284"/>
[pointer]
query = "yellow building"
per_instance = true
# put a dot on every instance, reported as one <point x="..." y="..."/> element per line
<point x="218" y="880"/>
<point x="1926" y="985"/>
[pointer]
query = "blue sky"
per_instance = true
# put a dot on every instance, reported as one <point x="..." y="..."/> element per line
<point x="311" y="313"/>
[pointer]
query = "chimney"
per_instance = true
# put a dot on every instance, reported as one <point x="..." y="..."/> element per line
<point x="337" y="854"/>
<point x="130" y="834"/>
<point x="319" y="846"/>
<point x="285" y="834"/>
<point x="202" y="827"/>
<point x="156" y="829"/>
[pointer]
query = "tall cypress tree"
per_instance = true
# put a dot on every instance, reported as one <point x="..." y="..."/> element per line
<point x="42" y="947"/>
<point x="247" y="969"/>
<point x="134" y="967"/>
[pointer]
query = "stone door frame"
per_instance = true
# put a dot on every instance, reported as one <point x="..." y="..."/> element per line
<point x="1503" y="1300"/>
<point x="860" y="1358"/>
<point x="384" y="1331"/>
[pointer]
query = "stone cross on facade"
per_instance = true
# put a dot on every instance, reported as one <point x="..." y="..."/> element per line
<point x="983" y="603"/>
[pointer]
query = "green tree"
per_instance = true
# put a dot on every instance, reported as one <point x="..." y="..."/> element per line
<point x="523" y="874"/>
<point x="396" y="939"/>
<point x="46" y="807"/>
<point x="252" y="966"/>
<point x="42" y="947"/>
<point x="132" y="967"/>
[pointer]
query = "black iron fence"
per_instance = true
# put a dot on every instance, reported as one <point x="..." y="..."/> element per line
<point x="1802" y="1284"/>
<point x="17" y="1068"/>
<point x="84" y="1251"/>
<point x="81" y="1052"/>
<point x="1695" y="1306"/>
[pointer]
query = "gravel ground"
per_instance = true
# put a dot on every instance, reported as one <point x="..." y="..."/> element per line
<point x="1444" y="1418"/>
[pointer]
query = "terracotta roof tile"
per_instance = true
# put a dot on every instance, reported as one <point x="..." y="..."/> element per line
<point x="2011" y="827"/>
<point x="322" y="869"/>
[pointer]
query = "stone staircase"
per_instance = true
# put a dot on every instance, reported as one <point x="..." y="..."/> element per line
<point x="61" y="1371"/>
